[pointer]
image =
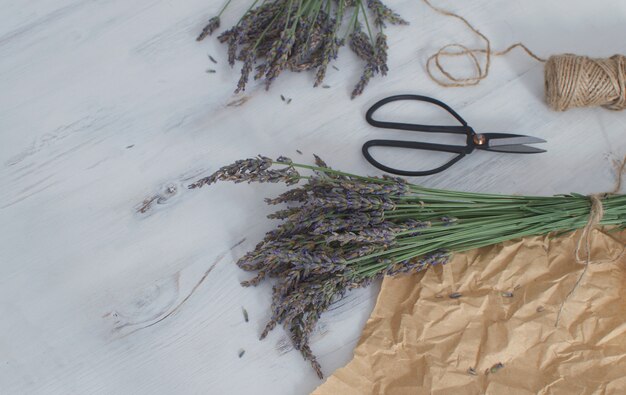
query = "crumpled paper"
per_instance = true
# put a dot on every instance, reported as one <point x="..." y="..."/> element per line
<point x="485" y="324"/>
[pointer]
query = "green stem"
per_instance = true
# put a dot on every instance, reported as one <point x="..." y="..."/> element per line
<point x="352" y="24"/>
<point x="459" y="221"/>
<point x="369" y="31"/>
<point x="224" y="8"/>
<point x="258" y="41"/>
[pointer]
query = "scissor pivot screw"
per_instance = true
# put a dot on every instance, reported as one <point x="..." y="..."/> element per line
<point x="479" y="139"/>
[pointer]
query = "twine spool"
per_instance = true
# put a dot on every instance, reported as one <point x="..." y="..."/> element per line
<point x="570" y="80"/>
<point x="580" y="81"/>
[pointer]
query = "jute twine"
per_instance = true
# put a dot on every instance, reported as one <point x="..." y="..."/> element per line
<point x="580" y="81"/>
<point x="570" y="80"/>
<point x="596" y="213"/>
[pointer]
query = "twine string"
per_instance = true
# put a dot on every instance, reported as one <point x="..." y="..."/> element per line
<point x="571" y="80"/>
<point x="462" y="50"/>
<point x="596" y="213"/>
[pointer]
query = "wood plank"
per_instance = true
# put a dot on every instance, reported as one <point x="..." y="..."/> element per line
<point x="107" y="105"/>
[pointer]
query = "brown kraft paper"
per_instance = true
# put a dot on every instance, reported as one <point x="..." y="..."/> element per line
<point x="420" y="340"/>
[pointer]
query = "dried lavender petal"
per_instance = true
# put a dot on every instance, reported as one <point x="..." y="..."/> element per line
<point x="497" y="366"/>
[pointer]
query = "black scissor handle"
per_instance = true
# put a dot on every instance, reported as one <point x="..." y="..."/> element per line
<point x="464" y="129"/>
<point x="455" y="149"/>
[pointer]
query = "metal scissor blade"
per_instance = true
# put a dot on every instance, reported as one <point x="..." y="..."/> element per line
<point x="515" y="149"/>
<point x="513" y="140"/>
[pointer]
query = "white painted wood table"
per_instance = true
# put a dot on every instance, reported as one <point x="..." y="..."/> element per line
<point x="104" y="104"/>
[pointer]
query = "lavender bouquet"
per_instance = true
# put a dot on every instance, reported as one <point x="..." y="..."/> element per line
<point x="341" y="231"/>
<point x="301" y="35"/>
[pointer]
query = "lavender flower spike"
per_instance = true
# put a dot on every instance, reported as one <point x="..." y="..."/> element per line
<point x="250" y="170"/>
<point x="214" y="24"/>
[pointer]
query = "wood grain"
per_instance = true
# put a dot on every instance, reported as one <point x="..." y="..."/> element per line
<point x="106" y="105"/>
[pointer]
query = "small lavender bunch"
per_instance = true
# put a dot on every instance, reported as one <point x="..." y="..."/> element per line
<point x="301" y="35"/>
<point x="341" y="231"/>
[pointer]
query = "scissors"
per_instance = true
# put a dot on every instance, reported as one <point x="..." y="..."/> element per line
<point x="497" y="142"/>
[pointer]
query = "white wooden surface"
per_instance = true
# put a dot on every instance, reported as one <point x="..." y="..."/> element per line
<point x="106" y="103"/>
